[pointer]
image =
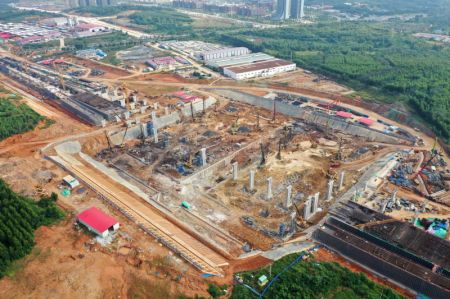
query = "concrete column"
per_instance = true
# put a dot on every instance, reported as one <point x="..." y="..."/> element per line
<point x="203" y="152"/>
<point x="144" y="102"/>
<point x="288" y="203"/>
<point x="155" y="135"/>
<point x="155" y="106"/>
<point x="122" y="103"/>
<point x="341" y="180"/>
<point x="252" y="180"/>
<point x="269" y="188"/>
<point x="330" y="190"/>
<point x="316" y="202"/>
<point x="126" y="115"/>
<point x="366" y="185"/>
<point x="307" y="209"/>
<point x="132" y="106"/>
<point x="394" y="195"/>
<point x="117" y="119"/>
<point x="235" y="171"/>
<point x="153" y="117"/>
<point x="143" y="108"/>
<point x="103" y="123"/>
<point x="144" y="130"/>
<point x="166" y="110"/>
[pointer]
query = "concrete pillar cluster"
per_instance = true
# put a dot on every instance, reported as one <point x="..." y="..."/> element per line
<point x="269" y="188"/>
<point x="144" y="130"/>
<point x="341" y="180"/>
<point x="155" y="135"/>
<point x="311" y="206"/>
<point x="330" y="190"/>
<point x="203" y="153"/>
<point x="288" y="203"/>
<point x="307" y="209"/>
<point x="235" y="171"/>
<point x="252" y="180"/>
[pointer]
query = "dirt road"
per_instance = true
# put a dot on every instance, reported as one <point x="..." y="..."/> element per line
<point x="145" y="216"/>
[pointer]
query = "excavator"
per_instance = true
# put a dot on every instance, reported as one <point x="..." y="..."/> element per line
<point x="434" y="153"/>
<point x="235" y="126"/>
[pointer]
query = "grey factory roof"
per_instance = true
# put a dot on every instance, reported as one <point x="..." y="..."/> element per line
<point x="243" y="59"/>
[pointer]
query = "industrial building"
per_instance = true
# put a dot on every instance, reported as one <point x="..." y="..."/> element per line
<point x="236" y="60"/>
<point x="223" y="53"/>
<point x="79" y="97"/>
<point x="259" y="69"/>
<point x="98" y="222"/>
<point x="161" y="62"/>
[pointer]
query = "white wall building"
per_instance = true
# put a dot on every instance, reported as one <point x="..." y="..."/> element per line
<point x="259" y="69"/>
<point x="223" y="53"/>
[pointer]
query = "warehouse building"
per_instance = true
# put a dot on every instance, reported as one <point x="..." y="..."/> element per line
<point x="98" y="222"/>
<point x="259" y="69"/>
<point x="236" y="60"/>
<point x="223" y="53"/>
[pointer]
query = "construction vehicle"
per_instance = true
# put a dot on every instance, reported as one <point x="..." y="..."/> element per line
<point x="235" y="126"/>
<point x="188" y="164"/>
<point x="434" y="153"/>
<point x="369" y="224"/>
<point x="108" y="140"/>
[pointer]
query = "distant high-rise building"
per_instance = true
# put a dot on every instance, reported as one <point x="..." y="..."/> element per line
<point x="290" y="9"/>
<point x="283" y="9"/>
<point x="297" y="9"/>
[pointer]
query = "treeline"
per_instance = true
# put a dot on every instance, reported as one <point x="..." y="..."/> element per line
<point x="434" y="12"/>
<point x="19" y="218"/>
<point x="163" y="21"/>
<point x="313" y="280"/>
<point x="382" y="60"/>
<point x="9" y="14"/>
<point x="104" y="11"/>
<point x="16" y="118"/>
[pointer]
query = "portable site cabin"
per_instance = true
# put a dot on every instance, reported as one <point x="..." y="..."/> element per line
<point x="71" y="182"/>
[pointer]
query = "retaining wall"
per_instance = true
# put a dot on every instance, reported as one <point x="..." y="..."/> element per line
<point x="314" y="117"/>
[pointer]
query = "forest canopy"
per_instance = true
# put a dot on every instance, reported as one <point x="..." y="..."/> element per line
<point x="19" y="218"/>
<point x="16" y="117"/>
<point x="382" y="59"/>
<point x="310" y="279"/>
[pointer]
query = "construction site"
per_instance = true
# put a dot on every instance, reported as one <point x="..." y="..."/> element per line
<point x="228" y="172"/>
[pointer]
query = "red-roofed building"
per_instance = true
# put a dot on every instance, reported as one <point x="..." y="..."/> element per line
<point x="366" y="121"/>
<point x="98" y="222"/>
<point x="344" y="114"/>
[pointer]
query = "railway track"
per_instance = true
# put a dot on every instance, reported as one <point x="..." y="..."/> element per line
<point x="192" y="250"/>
